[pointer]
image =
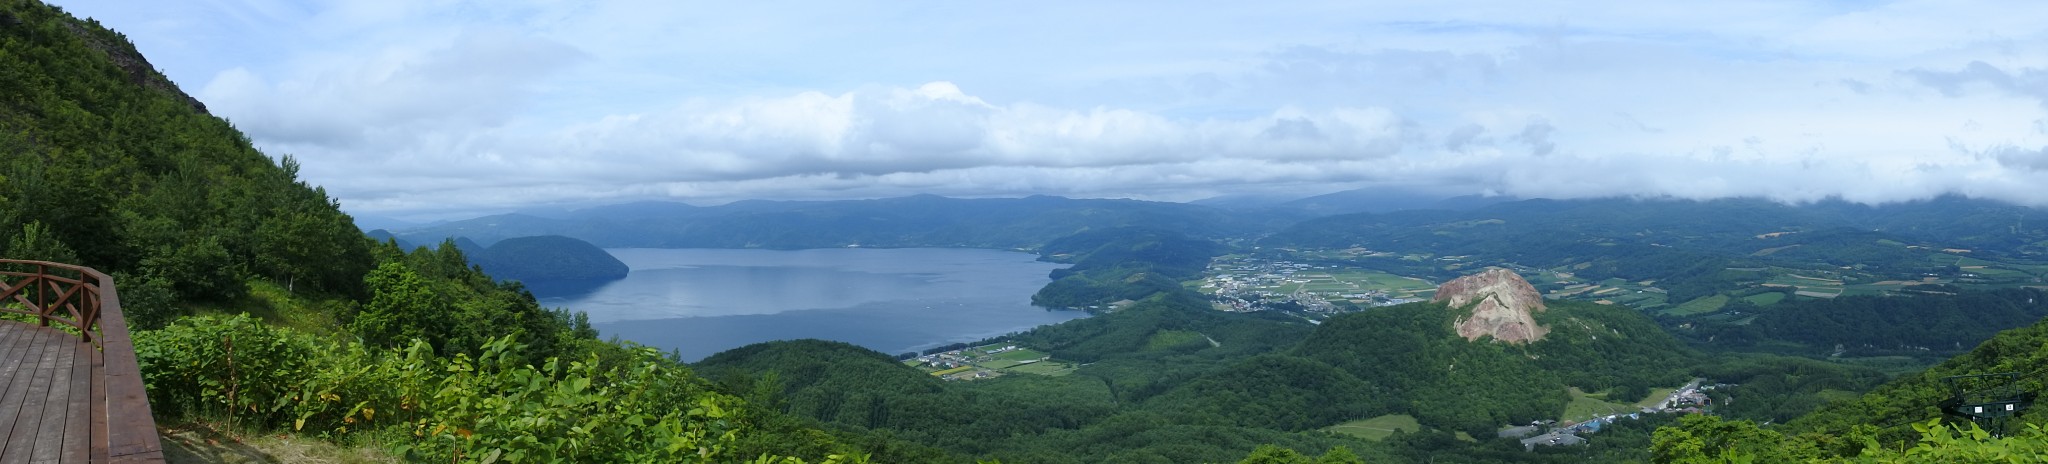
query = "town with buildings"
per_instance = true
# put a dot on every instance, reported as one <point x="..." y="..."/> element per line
<point x="1242" y="283"/>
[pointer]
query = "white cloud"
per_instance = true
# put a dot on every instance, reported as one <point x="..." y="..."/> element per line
<point x="460" y="107"/>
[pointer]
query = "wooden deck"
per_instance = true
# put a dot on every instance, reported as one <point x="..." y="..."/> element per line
<point x="47" y="382"/>
<point x="70" y="389"/>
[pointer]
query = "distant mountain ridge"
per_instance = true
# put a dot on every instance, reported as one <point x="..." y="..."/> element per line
<point x="915" y="221"/>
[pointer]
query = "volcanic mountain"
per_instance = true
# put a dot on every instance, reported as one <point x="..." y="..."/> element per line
<point x="1496" y="303"/>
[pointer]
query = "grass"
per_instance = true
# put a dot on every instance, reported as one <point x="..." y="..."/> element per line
<point x="1585" y="406"/>
<point x="276" y="306"/>
<point x="1657" y="395"/>
<point x="1701" y="305"/>
<point x="952" y="371"/>
<point x="1008" y="359"/>
<point x="1020" y="354"/>
<point x="1354" y="281"/>
<point x="1047" y="367"/>
<point x="201" y="443"/>
<point x="1171" y="338"/>
<point x="1766" y="299"/>
<point x="1377" y="428"/>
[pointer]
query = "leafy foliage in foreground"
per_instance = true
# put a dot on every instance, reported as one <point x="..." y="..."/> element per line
<point x="1708" y="439"/>
<point x="1897" y="422"/>
<point x="629" y="406"/>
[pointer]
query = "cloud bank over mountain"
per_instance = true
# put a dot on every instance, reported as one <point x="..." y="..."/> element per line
<point x="456" y="107"/>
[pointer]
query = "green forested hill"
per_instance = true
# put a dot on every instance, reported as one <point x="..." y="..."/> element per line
<point x="548" y="258"/>
<point x="339" y="337"/>
<point x="119" y="170"/>
<point x="1900" y="421"/>
<point x="1443" y="380"/>
<point x="1122" y="263"/>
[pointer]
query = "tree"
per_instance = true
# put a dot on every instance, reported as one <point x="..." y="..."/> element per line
<point x="402" y="307"/>
<point x="39" y="243"/>
<point x="291" y="245"/>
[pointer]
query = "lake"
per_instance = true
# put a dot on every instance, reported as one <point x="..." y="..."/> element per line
<point x="703" y="301"/>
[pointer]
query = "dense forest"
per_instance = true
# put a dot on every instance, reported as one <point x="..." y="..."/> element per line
<point x="1944" y="323"/>
<point x="548" y="258"/>
<point x="1900" y="421"/>
<point x="261" y="308"/>
<point x="1121" y="264"/>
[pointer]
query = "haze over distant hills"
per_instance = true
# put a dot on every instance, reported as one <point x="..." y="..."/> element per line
<point x="1322" y="220"/>
<point x="914" y="221"/>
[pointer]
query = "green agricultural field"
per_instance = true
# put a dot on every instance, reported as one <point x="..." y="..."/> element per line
<point x="1999" y="273"/>
<point x="1657" y="395"/>
<point x="1355" y="281"/>
<point x="1047" y="367"/>
<point x="1964" y="260"/>
<point x="1171" y="338"/>
<point x="1588" y="405"/>
<point x="1011" y="358"/>
<point x="1377" y="428"/>
<point x="1765" y="299"/>
<point x="1701" y="305"/>
<point x="1020" y="354"/>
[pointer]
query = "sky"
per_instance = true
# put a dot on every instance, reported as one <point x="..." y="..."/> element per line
<point x="427" y="109"/>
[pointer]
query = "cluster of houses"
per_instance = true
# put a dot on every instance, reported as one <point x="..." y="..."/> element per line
<point x="959" y="364"/>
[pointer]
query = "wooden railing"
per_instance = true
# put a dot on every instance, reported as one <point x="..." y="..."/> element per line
<point x="85" y="299"/>
<point x="72" y="300"/>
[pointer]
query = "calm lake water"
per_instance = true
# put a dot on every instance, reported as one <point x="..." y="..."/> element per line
<point x="703" y="301"/>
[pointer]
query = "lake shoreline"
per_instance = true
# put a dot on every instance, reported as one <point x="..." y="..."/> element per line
<point x="697" y="302"/>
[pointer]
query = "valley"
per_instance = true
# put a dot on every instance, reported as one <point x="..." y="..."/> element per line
<point x="930" y="275"/>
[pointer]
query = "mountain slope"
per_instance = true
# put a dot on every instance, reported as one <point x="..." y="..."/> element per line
<point x="1417" y="353"/>
<point x="130" y="175"/>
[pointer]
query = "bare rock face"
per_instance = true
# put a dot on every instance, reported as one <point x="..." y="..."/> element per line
<point x="1501" y="305"/>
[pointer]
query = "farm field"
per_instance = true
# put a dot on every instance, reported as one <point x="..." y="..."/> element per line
<point x="1588" y="405"/>
<point x="1701" y="305"/>
<point x="1357" y="281"/>
<point x="1377" y="428"/>
<point x="1765" y="299"/>
<point x="1048" y="367"/>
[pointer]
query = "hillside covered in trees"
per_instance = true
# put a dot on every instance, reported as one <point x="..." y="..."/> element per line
<point x="258" y="302"/>
<point x="548" y="258"/>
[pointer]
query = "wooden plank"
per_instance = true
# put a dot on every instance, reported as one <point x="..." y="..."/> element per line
<point x="47" y="376"/>
<point x="22" y="362"/>
<point x="99" y="410"/>
<point x="28" y="418"/>
<point x="13" y="340"/>
<point x="78" y="415"/>
<point x="132" y="434"/>
<point x="49" y="444"/>
<point x="13" y="380"/>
